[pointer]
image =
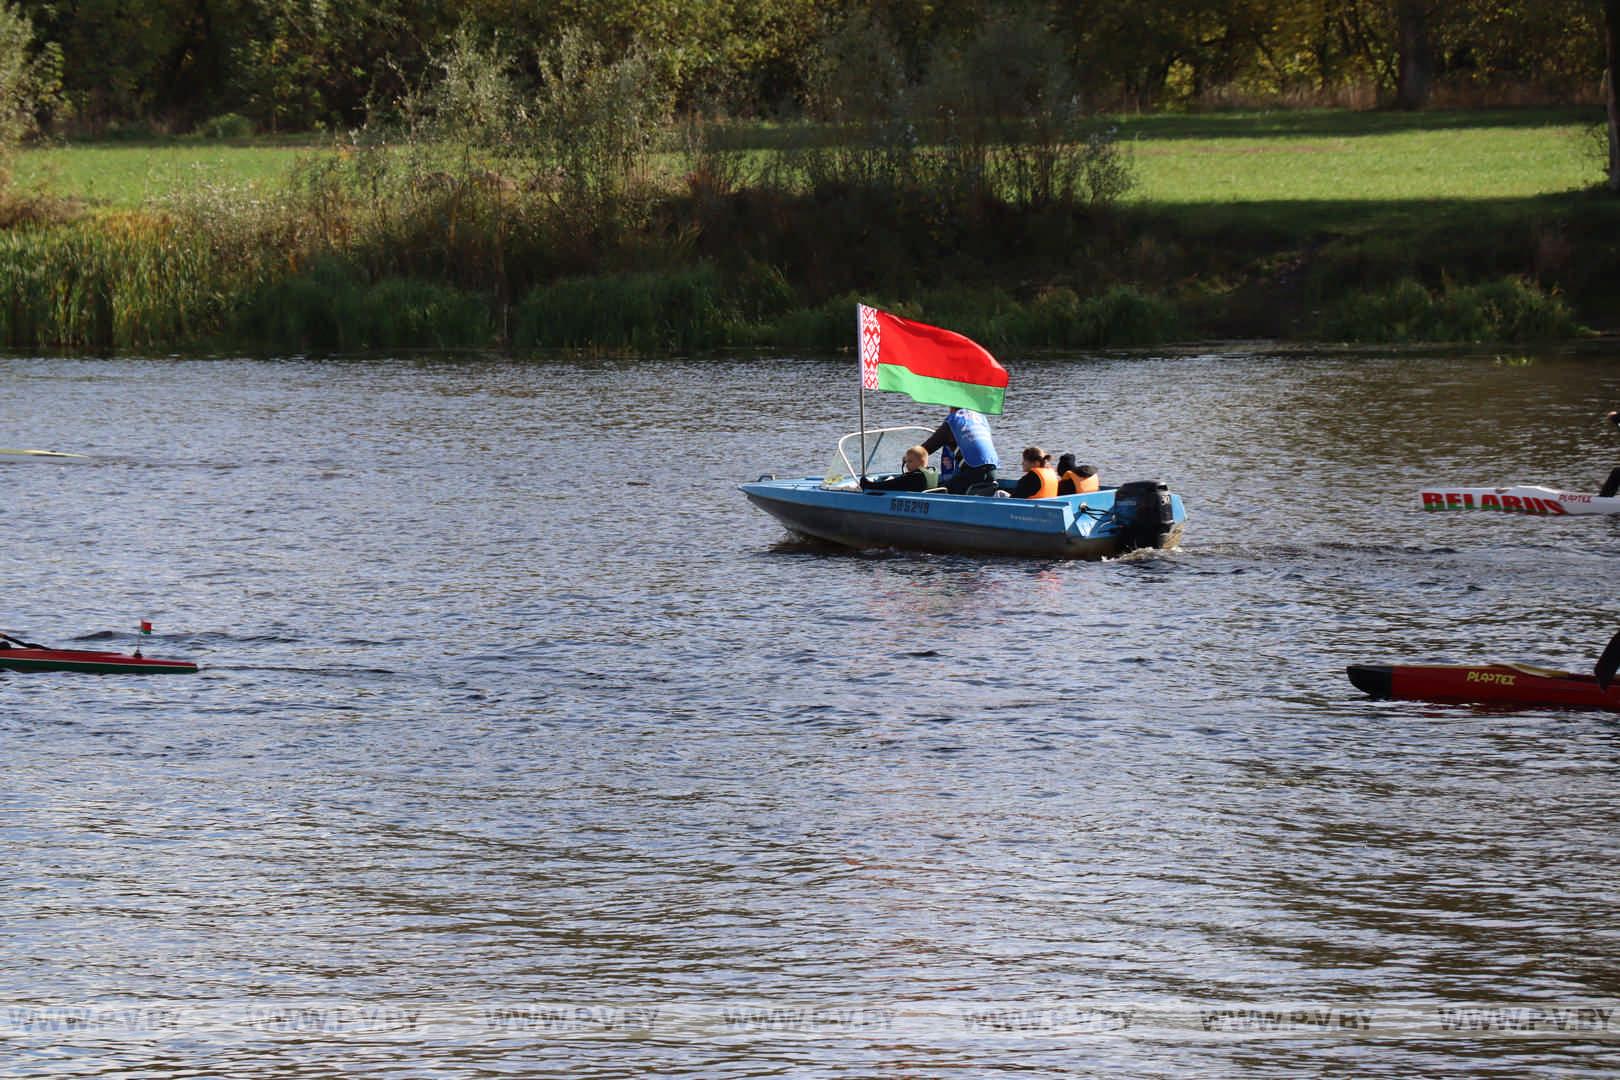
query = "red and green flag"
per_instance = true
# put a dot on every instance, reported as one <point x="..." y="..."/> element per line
<point x="934" y="366"/>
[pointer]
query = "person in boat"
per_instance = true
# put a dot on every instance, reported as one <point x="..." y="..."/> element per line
<point x="1040" y="480"/>
<point x="1075" y="479"/>
<point x="968" y="434"/>
<point x="915" y="474"/>
<point x="1611" y="486"/>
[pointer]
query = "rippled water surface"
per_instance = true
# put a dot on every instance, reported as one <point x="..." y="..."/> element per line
<point x="524" y="746"/>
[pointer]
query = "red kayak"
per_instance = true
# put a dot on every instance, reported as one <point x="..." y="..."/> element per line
<point x="93" y="663"/>
<point x="1486" y="684"/>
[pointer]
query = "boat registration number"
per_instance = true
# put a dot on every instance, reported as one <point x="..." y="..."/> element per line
<point x="908" y="506"/>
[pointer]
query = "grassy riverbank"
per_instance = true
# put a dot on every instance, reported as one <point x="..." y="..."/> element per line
<point x="1312" y="225"/>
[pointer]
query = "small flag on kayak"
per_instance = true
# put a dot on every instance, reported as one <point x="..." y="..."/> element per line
<point x="931" y="365"/>
<point x="146" y="627"/>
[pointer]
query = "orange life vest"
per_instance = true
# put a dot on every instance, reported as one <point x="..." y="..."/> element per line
<point x="1048" y="489"/>
<point x="1082" y="484"/>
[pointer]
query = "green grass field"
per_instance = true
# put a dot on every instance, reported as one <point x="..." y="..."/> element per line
<point x="1259" y="157"/>
<point x="1463" y="164"/>
<point x="128" y="175"/>
<point x="1378" y="157"/>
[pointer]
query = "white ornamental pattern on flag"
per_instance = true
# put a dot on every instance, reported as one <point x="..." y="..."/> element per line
<point x="871" y="346"/>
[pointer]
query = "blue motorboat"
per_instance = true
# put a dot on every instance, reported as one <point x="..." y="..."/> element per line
<point x="1096" y="525"/>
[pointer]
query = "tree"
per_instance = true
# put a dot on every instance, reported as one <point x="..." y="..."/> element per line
<point x="1611" y="42"/>
<point x="27" y="81"/>
<point x="119" y="57"/>
<point x="1416" y="55"/>
<point x="15" y="36"/>
<point x="853" y="73"/>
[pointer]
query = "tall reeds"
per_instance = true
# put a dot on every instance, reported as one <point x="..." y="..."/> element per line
<point x="128" y="281"/>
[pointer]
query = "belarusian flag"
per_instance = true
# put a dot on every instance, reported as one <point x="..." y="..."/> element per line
<point x="939" y="367"/>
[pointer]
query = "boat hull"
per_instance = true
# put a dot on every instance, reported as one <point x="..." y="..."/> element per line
<point x="1525" y="499"/>
<point x="90" y="663"/>
<point x="1485" y="684"/>
<point x="1068" y="527"/>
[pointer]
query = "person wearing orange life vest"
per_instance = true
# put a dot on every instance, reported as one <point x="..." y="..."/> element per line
<point x="1075" y="479"/>
<point x="1040" y="480"/>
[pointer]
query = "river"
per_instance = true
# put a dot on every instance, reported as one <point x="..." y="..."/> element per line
<point x="525" y="746"/>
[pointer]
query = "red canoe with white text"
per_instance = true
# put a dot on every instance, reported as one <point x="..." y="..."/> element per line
<point x="1518" y="499"/>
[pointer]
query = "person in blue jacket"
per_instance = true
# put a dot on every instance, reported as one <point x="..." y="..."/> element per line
<point x="969" y="433"/>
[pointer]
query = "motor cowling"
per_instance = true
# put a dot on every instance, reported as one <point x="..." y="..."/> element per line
<point x="1142" y="509"/>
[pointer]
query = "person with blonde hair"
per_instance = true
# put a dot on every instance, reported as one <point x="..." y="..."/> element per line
<point x="915" y="475"/>
<point x="1040" y="480"/>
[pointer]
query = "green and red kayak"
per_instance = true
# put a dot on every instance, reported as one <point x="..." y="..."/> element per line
<point x="1486" y="684"/>
<point x="90" y="663"/>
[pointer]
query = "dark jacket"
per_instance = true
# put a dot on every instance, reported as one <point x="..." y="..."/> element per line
<point x="915" y="480"/>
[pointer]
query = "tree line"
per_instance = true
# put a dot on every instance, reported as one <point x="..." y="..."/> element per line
<point x="237" y="67"/>
<point x="509" y="174"/>
<point x="303" y="65"/>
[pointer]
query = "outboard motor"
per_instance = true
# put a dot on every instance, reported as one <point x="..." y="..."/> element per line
<point x="1144" y="513"/>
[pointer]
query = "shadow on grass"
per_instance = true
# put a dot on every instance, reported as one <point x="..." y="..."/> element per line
<point x="1279" y="124"/>
<point x="1339" y="123"/>
<point x="1303" y="220"/>
<point x="1278" y="266"/>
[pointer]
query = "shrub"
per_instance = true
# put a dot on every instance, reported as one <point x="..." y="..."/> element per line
<point x="1125" y="316"/>
<point x="471" y="101"/>
<point x="829" y="326"/>
<point x="225" y="126"/>
<point x="599" y="120"/>
<point x="763" y="292"/>
<point x="1509" y="309"/>
<point x="680" y="310"/>
<point x="333" y="306"/>
<point x="853" y="72"/>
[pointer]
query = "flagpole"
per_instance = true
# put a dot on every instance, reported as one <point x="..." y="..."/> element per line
<point x="860" y="381"/>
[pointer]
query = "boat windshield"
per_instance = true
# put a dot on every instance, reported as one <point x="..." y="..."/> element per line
<point x="884" y="449"/>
